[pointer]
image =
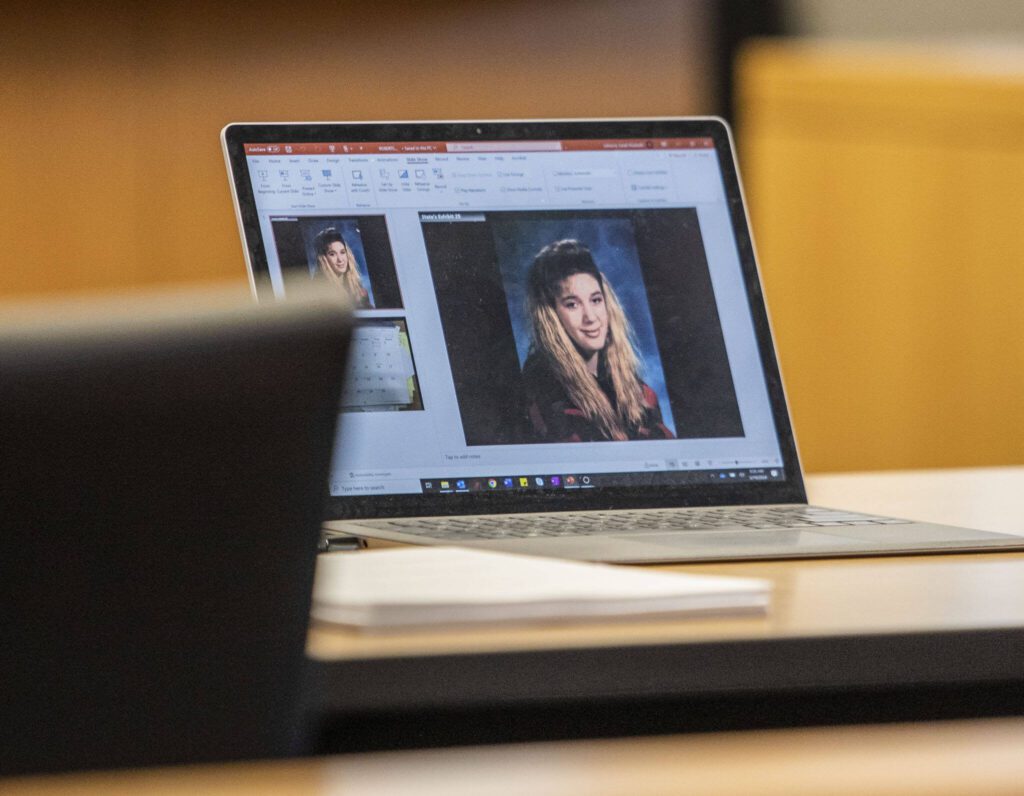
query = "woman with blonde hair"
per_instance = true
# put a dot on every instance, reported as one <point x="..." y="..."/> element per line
<point x="337" y="264"/>
<point x="582" y="372"/>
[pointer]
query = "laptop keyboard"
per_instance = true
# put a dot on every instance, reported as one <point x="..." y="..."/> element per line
<point x="618" y="523"/>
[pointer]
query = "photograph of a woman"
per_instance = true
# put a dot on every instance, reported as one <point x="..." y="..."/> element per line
<point x="582" y="372"/>
<point x="336" y="263"/>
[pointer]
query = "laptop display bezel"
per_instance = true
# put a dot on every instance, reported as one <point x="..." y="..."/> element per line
<point x="788" y="490"/>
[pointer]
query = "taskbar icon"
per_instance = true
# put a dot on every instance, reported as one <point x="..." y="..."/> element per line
<point x="504" y="483"/>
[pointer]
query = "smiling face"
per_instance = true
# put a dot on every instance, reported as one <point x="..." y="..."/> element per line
<point x="337" y="258"/>
<point x="584" y="315"/>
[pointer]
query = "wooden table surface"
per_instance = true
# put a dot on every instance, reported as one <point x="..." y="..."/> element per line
<point x="886" y="621"/>
<point x="987" y="498"/>
<point x="809" y="597"/>
<point x="844" y="640"/>
<point x="971" y="757"/>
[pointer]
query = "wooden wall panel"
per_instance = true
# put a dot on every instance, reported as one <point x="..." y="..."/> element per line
<point x="887" y="202"/>
<point x="110" y="168"/>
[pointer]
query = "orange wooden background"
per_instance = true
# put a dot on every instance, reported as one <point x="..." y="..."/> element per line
<point x="886" y="186"/>
<point x="111" y="172"/>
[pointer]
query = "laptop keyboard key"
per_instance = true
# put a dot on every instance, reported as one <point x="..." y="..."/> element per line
<point x="630" y="522"/>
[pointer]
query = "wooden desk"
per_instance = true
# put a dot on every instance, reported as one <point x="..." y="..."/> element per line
<point x="854" y="639"/>
<point x="976" y="757"/>
<point x="845" y="640"/>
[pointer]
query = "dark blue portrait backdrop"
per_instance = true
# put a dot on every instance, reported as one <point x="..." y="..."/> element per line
<point x="349" y="229"/>
<point x="613" y="245"/>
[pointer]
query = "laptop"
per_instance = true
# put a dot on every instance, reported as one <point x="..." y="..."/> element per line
<point x="561" y="345"/>
<point x="163" y="468"/>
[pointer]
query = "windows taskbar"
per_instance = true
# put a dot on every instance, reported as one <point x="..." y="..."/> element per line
<point x="522" y="483"/>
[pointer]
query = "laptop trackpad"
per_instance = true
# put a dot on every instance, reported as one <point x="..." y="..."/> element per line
<point x="688" y="546"/>
<point x="751" y="542"/>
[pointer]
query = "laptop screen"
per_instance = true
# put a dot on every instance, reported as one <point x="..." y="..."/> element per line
<point x="534" y="317"/>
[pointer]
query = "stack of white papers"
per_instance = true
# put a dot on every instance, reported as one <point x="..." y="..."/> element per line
<point x="420" y="586"/>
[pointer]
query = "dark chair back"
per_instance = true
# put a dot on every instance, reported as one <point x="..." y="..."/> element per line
<point x="163" y="468"/>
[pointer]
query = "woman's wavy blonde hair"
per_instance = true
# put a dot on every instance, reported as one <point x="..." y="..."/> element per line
<point x="554" y="264"/>
<point x="350" y="281"/>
